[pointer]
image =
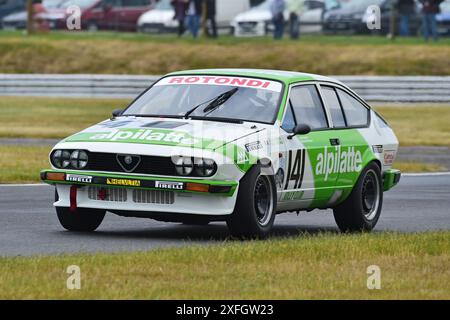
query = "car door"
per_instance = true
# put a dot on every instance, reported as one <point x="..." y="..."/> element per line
<point x="349" y="115"/>
<point x="130" y="12"/>
<point x="304" y="185"/>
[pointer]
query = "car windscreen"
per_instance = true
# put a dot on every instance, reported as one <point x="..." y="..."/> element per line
<point x="226" y="97"/>
<point x="80" y="3"/>
<point x="360" y="5"/>
<point x="163" y="5"/>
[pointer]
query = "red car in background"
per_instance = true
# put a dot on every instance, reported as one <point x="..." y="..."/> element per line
<point x="120" y="15"/>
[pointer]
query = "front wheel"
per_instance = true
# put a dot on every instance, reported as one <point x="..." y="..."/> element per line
<point x="361" y="210"/>
<point x="254" y="214"/>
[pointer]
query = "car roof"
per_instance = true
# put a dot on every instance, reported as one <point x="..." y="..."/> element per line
<point x="286" y="77"/>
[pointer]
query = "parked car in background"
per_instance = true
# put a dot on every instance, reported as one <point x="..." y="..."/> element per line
<point x="161" y="18"/>
<point x="18" y="20"/>
<point x="258" y="20"/>
<point x="443" y="18"/>
<point x="8" y="7"/>
<point x="100" y="14"/>
<point x="351" y="18"/>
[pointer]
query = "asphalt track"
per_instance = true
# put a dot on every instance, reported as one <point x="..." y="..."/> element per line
<point x="29" y="225"/>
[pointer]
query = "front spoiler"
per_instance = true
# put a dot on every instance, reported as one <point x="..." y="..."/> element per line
<point x="111" y="180"/>
<point x="391" y="178"/>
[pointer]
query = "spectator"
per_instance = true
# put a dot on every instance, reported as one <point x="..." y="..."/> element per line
<point x="211" y="17"/>
<point x="406" y="9"/>
<point x="194" y="13"/>
<point x="180" y="7"/>
<point x="295" y="8"/>
<point x="277" y="9"/>
<point x="429" y="10"/>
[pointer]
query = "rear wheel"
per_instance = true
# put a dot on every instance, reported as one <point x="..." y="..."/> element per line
<point x="361" y="210"/>
<point x="81" y="220"/>
<point x="254" y="214"/>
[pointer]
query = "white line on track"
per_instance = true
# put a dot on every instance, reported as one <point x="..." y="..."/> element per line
<point x="425" y="174"/>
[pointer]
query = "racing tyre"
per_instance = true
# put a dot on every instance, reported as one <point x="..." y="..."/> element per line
<point x="82" y="220"/>
<point x="361" y="210"/>
<point x="255" y="209"/>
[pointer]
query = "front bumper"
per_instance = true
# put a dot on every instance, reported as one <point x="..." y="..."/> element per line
<point x="126" y="192"/>
<point x="391" y="178"/>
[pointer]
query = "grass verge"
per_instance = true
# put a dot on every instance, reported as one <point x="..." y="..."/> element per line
<point x="323" y="266"/>
<point x="26" y="117"/>
<point x="110" y="53"/>
<point x="22" y="164"/>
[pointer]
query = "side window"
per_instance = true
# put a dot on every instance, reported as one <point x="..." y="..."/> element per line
<point x="332" y="101"/>
<point x="355" y="112"/>
<point x="308" y="108"/>
<point x="289" y="120"/>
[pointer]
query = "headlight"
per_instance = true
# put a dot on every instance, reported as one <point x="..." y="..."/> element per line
<point x="79" y="159"/>
<point x="204" y="167"/>
<point x="183" y="165"/>
<point x="61" y="159"/>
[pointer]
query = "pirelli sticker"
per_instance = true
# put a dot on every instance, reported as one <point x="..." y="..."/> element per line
<point x="78" y="178"/>
<point x="123" y="182"/>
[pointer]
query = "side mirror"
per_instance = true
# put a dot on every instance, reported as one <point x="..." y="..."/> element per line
<point x="300" y="129"/>
<point x="116" y="113"/>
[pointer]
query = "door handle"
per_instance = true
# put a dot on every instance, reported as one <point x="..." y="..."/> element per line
<point x="335" y="141"/>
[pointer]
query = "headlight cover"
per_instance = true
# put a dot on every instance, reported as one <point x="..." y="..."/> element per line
<point x="79" y="159"/>
<point x="184" y="165"/>
<point x="204" y="167"/>
<point x="201" y="167"/>
<point x="61" y="159"/>
<point x="75" y="159"/>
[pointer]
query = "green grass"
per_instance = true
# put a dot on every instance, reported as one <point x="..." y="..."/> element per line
<point x="52" y="117"/>
<point x="321" y="266"/>
<point x="73" y="52"/>
<point x="58" y="118"/>
<point x="22" y="164"/>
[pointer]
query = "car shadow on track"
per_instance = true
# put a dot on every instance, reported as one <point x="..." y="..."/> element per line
<point x="213" y="232"/>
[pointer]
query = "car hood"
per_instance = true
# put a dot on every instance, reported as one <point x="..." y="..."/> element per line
<point x="169" y="132"/>
<point x="18" y="16"/>
<point x="156" y="16"/>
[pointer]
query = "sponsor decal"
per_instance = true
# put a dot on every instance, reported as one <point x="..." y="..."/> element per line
<point x="253" y="146"/>
<point x="222" y="81"/>
<point x="132" y="135"/>
<point x="242" y="157"/>
<point x="377" y="148"/>
<point x="338" y="161"/>
<point x="279" y="178"/>
<point x="78" y="178"/>
<point x="123" y="182"/>
<point x="389" y="157"/>
<point x="169" y="185"/>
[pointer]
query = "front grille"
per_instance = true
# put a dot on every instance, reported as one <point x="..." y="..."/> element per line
<point x="107" y="194"/>
<point x="148" y="165"/>
<point x="153" y="196"/>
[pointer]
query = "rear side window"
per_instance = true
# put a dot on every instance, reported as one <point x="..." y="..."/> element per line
<point x="356" y="113"/>
<point x="331" y="100"/>
<point x="308" y="108"/>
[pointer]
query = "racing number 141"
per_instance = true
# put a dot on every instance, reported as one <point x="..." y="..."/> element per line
<point x="296" y="169"/>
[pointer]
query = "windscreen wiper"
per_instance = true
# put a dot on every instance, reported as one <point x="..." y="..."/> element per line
<point x="215" y="102"/>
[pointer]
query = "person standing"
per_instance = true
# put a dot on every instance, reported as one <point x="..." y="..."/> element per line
<point x="180" y="7"/>
<point x="429" y="10"/>
<point x="406" y="9"/>
<point x="211" y="18"/>
<point x="277" y="8"/>
<point x="194" y="12"/>
<point x="295" y="8"/>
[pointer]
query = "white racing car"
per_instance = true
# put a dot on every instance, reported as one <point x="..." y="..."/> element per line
<point x="229" y="145"/>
